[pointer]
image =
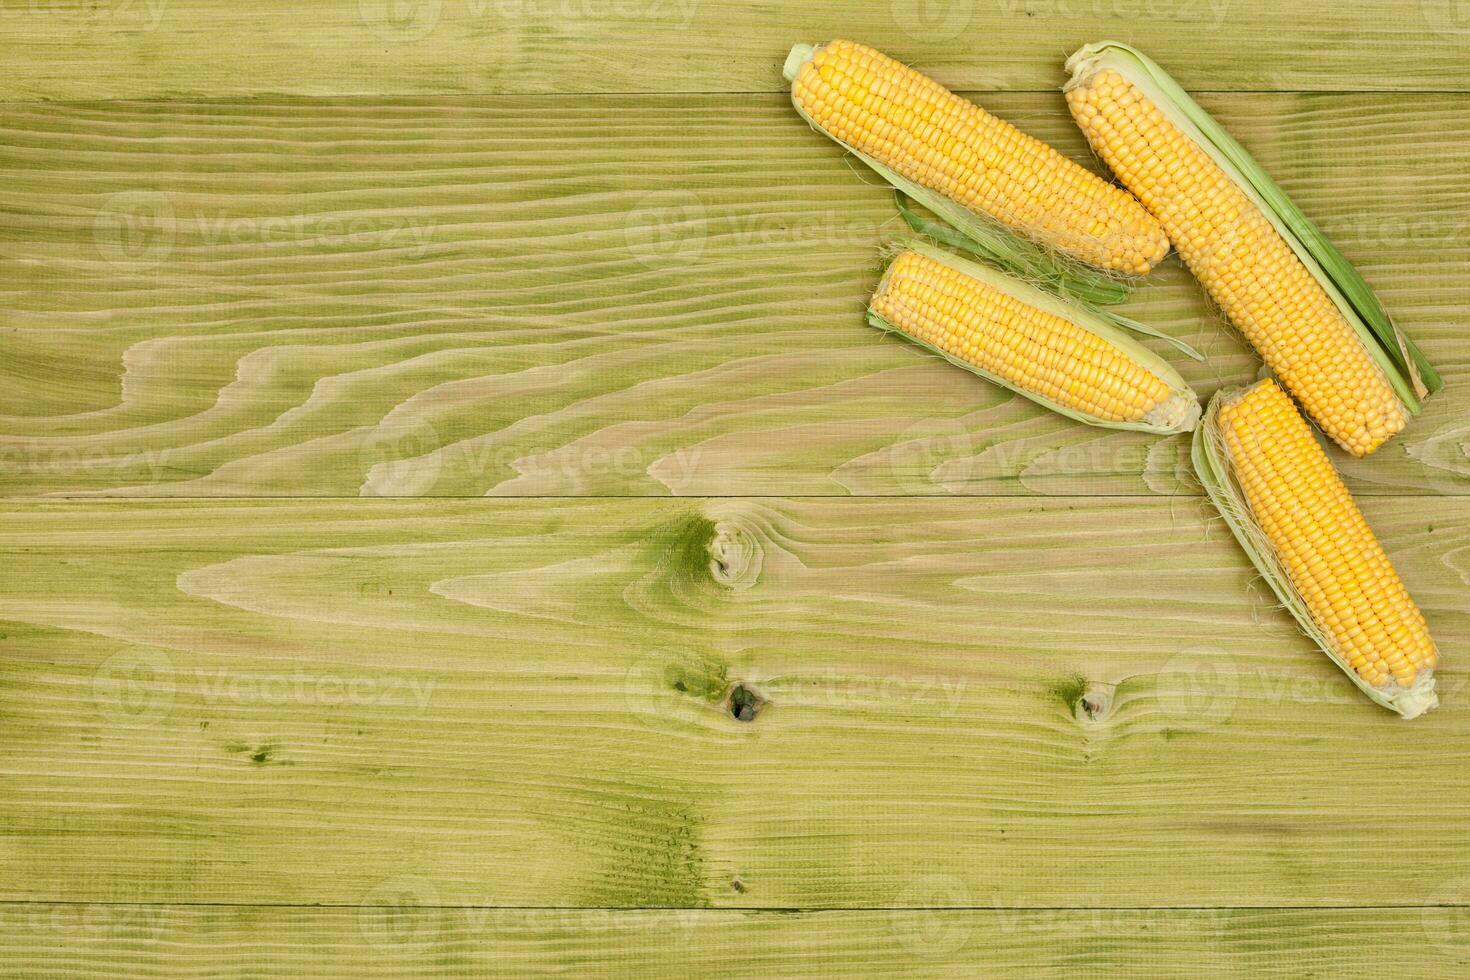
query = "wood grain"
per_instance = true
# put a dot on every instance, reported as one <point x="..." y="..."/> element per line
<point x="90" y="49"/>
<point x="605" y="296"/>
<point x="1067" y="703"/>
<point x="1016" y="704"/>
<point x="42" y="942"/>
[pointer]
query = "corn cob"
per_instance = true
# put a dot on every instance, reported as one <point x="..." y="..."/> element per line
<point x="1053" y="351"/>
<point x="903" y="123"/>
<point x="1311" y="317"/>
<point x="1289" y="509"/>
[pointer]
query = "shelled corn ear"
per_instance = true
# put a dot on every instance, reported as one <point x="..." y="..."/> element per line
<point x="1053" y="351"/>
<point x="1304" y="308"/>
<point x="1280" y="495"/>
<point x="963" y="163"/>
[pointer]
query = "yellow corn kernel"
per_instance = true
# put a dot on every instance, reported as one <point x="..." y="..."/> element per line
<point x="1027" y="347"/>
<point x="1245" y="266"/>
<point x="1316" y="531"/>
<point x="916" y="127"/>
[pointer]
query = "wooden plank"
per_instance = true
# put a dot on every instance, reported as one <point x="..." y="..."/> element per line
<point x="402" y="942"/>
<point x="608" y="296"/>
<point x="1062" y="703"/>
<point x="86" y="49"/>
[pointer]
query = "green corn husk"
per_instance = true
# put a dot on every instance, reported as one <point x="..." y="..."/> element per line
<point x="1213" y="466"/>
<point x="1178" y="414"/>
<point x="990" y="240"/>
<point x="1401" y="361"/>
<point x="976" y="233"/>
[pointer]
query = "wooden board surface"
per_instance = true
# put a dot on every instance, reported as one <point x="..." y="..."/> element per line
<point x="1015" y="704"/>
<point x="408" y="941"/>
<point x="91" y="49"/>
<point x="470" y="297"/>
<point x="528" y="703"/>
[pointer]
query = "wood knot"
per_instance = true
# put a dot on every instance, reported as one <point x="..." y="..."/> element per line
<point x="744" y="703"/>
<point x="1094" y="704"/>
<point x="735" y="555"/>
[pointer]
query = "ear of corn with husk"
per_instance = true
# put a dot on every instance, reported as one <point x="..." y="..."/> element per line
<point x="1013" y="199"/>
<point x="1286" y="505"/>
<point x="1054" y="351"/>
<point x="1305" y="309"/>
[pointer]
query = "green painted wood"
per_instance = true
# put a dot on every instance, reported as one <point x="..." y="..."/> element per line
<point x="583" y="250"/>
<point x="401" y="942"/>
<point x="612" y="295"/>
<point x="89" y="49"/>
<point x="1085" y="703"/>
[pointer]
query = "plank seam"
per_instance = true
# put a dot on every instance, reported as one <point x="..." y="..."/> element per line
<point x="324" y="499"/>
<point x="769" y="909"/>
<point x="238" y="98"/>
